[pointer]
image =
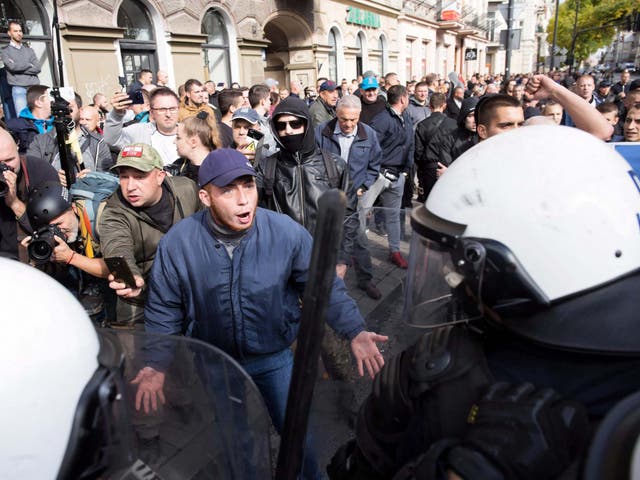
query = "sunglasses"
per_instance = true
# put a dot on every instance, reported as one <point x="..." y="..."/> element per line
<point x="294" y="124"/>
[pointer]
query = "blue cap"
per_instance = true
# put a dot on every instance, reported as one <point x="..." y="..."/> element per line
<point x="329" y="85"/>
<point x="223" y="166"/>
<point x="246" y="113"/>
<point x="369" y="82"/>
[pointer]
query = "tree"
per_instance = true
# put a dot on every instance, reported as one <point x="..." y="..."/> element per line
<point x="596" y="25"/>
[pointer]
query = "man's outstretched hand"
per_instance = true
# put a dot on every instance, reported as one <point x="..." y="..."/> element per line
<point x="366" y="353"/>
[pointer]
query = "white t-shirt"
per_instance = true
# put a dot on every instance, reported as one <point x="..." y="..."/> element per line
<point x="166" y="146"/>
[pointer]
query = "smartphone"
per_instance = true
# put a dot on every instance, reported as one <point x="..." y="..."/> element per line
<point x="120" y="270"/>
<point x="255" y="134"/>
<point x="136" y="97"/>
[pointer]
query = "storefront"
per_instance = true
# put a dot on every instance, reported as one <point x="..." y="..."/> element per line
<point x="239" y="41"/>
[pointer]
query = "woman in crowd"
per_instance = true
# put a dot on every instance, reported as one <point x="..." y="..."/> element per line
<point x="196" y="137"/>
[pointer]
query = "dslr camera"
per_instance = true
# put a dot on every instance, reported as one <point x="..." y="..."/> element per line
<point x="42" y="243"/>
<point x="4" y="188"/>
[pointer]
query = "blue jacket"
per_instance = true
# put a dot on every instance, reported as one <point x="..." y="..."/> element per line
<point x="396" y="139"/>
<point x="26" y="127"/>
<point x="248" y="305"/>
<point x="364" y="156"/>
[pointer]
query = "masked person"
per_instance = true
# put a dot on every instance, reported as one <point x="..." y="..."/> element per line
<point x="292" y="181"/>
<point x="527" y="281"/>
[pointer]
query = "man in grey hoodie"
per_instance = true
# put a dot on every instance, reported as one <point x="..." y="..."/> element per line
<point x="21" y="64"/>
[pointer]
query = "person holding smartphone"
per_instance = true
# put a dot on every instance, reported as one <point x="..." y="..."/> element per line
<point x="246" y="132"/>
<point x="135" y="218"/>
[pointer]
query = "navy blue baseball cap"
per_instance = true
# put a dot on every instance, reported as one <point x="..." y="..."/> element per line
<point x="328" y="85"/>
<point x="223" y="166"/>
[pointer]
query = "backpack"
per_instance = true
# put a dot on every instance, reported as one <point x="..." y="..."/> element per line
<point x="88" y="194"/>
<point x="270" y="172"/>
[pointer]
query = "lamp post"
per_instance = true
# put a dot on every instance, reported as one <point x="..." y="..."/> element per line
<point x="574" y="37"/>
<point x="555" y="30"/>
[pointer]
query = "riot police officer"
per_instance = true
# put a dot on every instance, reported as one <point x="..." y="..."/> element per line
<point x="524" y="266"/>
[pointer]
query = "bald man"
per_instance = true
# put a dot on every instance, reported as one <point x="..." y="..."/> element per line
<point x="90" y="118"/>
<point x="14" y="171"/>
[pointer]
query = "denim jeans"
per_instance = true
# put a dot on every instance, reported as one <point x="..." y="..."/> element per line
<point x="19" y="95"/>
<point x="272" y="376"/>
<point x="390" y="194"/>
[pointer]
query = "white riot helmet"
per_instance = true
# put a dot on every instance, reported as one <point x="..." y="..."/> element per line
<point x="527" y="222"/>
<point x="59" y="387"/>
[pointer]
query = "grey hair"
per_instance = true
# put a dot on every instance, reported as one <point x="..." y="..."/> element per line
<point x="349" y="101"/>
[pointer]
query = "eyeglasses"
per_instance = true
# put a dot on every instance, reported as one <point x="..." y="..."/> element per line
<point x="165" y="110"/>
<point x="294" y="124"/>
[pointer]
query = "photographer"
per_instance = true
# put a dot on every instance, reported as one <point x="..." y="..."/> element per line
<point x="58" y="247"/>
<point x="17" y="176"/>
<point x="90" y="147"/>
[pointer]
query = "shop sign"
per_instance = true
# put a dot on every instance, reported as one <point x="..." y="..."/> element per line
<point x="363" y="17"/>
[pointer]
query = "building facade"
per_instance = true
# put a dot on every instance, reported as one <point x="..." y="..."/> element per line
<point x="246" y="41"/>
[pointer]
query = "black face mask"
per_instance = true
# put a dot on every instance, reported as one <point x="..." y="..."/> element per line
<point x="292" y="143"/>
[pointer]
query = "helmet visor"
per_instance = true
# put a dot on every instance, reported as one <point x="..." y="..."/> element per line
<point x="444" y="279"/>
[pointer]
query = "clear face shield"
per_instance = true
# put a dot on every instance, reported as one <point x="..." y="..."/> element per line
<point x="445" y="274"/>
<point x="453" y="279"/>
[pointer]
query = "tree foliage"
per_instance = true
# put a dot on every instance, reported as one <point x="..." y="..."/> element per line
<point x="591" y="13"/>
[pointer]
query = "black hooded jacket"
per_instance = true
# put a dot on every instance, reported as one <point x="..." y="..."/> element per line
<point x="301" y="178"/>
<point x="446" y="146"/>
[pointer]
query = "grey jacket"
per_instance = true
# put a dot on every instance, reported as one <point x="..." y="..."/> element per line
<point x="118" y="136"/>
<point x="95" y="152"/>
<point x="417" y="112"/>
<point x="21" y="65"/>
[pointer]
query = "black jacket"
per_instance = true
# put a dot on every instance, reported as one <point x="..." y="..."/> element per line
<point x="426" y="131"/>
<point x="301" y="178"/>
<point x="453" y="110"/>
<point x="445" y="147"/>
<point x="370" y="110"/>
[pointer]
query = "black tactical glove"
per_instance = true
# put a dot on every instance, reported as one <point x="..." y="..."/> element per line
<point x="517" y="432"/>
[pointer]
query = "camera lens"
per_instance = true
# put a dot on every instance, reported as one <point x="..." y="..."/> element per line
<point x="40" y="250"/>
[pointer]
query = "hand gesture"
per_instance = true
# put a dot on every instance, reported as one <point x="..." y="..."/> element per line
<point x="11" y="180"/>
<point x="150" y="383"/>
<point x="120" y="101"/>
<point x="248" y="150"/>
<point x="366" y="353"/>
<point x="440" y="169"/>
<point x="540" y="87"/>
<point x="62" y="253"/>
<point x="122" y="290"/>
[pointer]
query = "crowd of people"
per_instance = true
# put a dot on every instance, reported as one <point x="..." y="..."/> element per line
<point x="185" y="169"/>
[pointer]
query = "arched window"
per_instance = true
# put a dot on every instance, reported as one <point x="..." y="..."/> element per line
<point x="216" y="50"/>
<point x="382" y="46"/>
<point x="138" y="47"/>
<point x="333" y="55"/>
<point x="361" y="53"/>
<point x="35" y="26"/>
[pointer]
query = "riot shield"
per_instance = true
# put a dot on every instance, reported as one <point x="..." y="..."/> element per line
<point x="213" y="422"/>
